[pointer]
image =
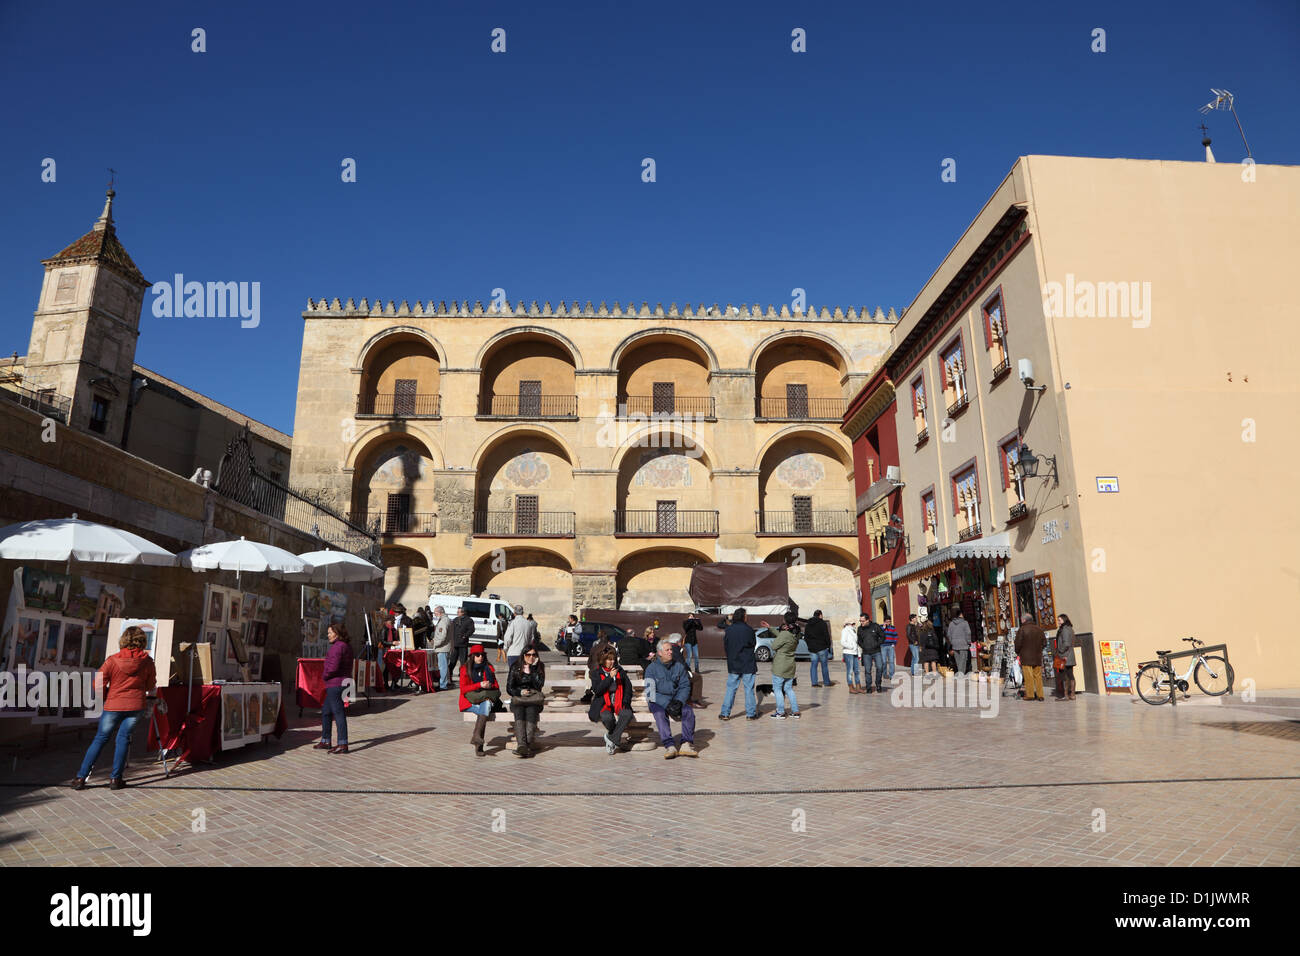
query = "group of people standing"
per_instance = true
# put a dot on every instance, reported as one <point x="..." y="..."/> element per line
<point x="868" y="647"/>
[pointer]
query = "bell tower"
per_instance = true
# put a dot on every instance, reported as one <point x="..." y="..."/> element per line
<point x="85" y="329"/>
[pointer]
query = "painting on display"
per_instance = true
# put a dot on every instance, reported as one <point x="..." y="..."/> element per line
<point x="94" y="601"/>
<point x="236" y="653"/>
<point x="73" y="637"/>
<point x="253" y="714"/>
<point x="234" y="604"/>
<point x="47" y="658"/>
<point x="255" y="634"/>
<point x="216" y="603"/>
<point x="96" y="649"/>
<point x="45" y="590"/>
<point x="254" y="663"/>
<point x="248" y="607"/>
<point x="158" y="641"/>
<point x="270" y="707"/>
<point x="232" y="716"/>
<point x="263" y="608"/>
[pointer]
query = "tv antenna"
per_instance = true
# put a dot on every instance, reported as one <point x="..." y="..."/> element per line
<point x="1223" y="101"/>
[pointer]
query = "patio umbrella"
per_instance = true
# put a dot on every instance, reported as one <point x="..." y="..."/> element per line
<point x="66" y="539"/>
<point x="243" y="555"/>
<point x="340" y="567"/>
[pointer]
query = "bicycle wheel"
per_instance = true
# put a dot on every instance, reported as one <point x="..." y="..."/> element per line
<point x="1214" y="675"/>
<point x="1153" y="684"/>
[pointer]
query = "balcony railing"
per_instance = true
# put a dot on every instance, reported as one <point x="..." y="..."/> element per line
<point x="922" y="437"/>
<point x="652" y="522"/>
<point x="965" y="534"/>
<point x="514" y="524"/>
<point x="932" y="547"/>
<point x="1001" y="370"/>
<point x="529" y="407"/>
<point x="397" y="523"/>
<point x="419" y="405"/>
<point x="801" y="409"/>
<point x="1018" y="510"/>
<point x="46" y="403"/>
<point x="698" y="406"/>
<point x="806" y="522"/>
<point x="958" y="404"/>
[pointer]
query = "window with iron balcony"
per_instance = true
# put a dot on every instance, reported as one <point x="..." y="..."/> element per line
<point x="966" y="504"/>
<point x="995" y="336"/>
<point x="1012" y="486"/>
<point x="928" y="510"/>
<point x="954" y="379"/>
<point x="918" y="410"/>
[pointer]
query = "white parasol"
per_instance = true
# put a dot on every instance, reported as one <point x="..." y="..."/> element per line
<point x="69" y="539"/>
<point x="243" y="555"/>
<point x="339" y="567"/>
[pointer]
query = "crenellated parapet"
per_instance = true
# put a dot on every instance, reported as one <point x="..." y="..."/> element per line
<point x="575" y="309"/>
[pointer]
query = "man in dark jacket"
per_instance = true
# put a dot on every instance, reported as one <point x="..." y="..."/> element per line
<point x="871" y="638"/>
<point x="462" y="635"/>
<point x="633" y="650"/>
<point x="739" y="641"/>
<point x="1030" y="642"/>
<point x="818" y="638"/>
<point x="691" y="628"/>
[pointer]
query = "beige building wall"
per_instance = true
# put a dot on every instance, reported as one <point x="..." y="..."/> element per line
<point x="1184" y="398"/>
<point x="718" y="456"/>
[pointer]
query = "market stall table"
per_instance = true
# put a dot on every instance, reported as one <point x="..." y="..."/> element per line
<point x="415" y="664"/>
<point x="197" y="734"/>
<point x="310" y="681"/>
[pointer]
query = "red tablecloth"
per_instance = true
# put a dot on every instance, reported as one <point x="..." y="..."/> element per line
<point x="310" y="680"/>
<point x="416" y="666"/>
<point x="198" y="733"/>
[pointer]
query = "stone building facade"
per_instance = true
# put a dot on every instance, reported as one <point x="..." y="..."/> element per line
<point x="586" y="455"/>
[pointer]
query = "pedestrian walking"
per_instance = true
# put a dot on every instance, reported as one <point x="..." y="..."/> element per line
<point x="462" y="636"/>
<point x="739" y="641"/>
<point x="1065" y="654"/>
<point x="817" y="636"/>
<point x="783" y="670"/>
<point x="516" y="637"/>
<point x="871" y="638"/>
<point x="889" y="646"/>
<point x="479" y="693"/>
<point x="1030" y="642"/>
<point x="525" y="683"/>
<point x="931" y="644"/>
<point x="337" y="670"/>
<point x="691" y="628"/>
<point x="129" y="676"/>
<point x="914" y="644"/>
<point x="959" y="641"/>
<point x="442" y="646"/>
<point x="611" y="701"/>
<point x="849" y="651"/>
<point x="671" y="700"/>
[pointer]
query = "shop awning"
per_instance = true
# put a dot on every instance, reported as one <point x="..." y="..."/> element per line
<point x="994" y="546"/>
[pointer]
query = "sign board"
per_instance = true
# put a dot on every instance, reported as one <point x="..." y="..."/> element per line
<point x="1114" y="666"/>
<point x="1108" y="485"/>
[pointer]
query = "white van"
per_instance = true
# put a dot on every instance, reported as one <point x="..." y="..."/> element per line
<point x="490" y="613"/>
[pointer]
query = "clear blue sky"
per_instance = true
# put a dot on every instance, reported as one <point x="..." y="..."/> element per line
<point x="523" y="170"/>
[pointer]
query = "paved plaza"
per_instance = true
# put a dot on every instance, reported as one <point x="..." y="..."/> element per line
<point x="855" y="781"/>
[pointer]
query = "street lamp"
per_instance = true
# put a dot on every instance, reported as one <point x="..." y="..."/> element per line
<point x="1027" y="464"/>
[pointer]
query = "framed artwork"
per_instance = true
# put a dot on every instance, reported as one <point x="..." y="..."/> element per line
<point x="47" y="657"/>
<point x="263" y="608"/>
<point x="73" y="636"/>
<point x="234" y="601"/>
<point x="236" y="652"/>
<point x="26" y="638"/>
<point x="310" y="629"/>
<point x="254" y="663"/>
<point x="256" y="634"/>
<point x="45" y="590"/>
<point x="158" y="632"/>
<point x="216" y="615"/>
<point x="90" y="599"/>
<point x="96" y="648"/>
<point x="232" y="716"/>
<point x="405" y="639"/>
<point x="248" y="607"/>
<point x="199" y="670"/>
<point x="270" y="707"/>
<point x="253" y="714"/>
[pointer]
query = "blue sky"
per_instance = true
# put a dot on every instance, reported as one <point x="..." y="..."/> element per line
<point x="522" y="170"/>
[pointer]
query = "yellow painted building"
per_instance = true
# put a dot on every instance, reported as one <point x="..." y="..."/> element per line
<point x="579" y="455"/>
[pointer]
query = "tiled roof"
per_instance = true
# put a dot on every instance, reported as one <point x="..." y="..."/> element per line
<point x="101" y="245"/>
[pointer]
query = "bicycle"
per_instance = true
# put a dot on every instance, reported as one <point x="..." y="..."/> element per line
<point x="1157" y="681"/>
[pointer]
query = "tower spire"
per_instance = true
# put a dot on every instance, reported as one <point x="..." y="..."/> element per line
<point x="105" y="220"/>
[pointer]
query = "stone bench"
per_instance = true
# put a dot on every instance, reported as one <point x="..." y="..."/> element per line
<point x="640" y="732"/>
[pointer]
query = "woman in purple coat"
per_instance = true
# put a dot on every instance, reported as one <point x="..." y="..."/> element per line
<point x="338" y="668"/>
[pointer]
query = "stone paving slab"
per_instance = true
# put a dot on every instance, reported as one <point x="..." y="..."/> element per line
<point x="854" y="781"/>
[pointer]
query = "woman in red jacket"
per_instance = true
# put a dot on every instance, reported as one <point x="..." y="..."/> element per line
<point x="128" y="677"/>
<point x="478" y="675"/>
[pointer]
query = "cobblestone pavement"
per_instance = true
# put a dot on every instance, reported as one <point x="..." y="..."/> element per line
<point x="854" y="781"/>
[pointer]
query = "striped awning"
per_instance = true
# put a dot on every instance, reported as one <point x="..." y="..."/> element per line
<point x="994" y="546"/>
